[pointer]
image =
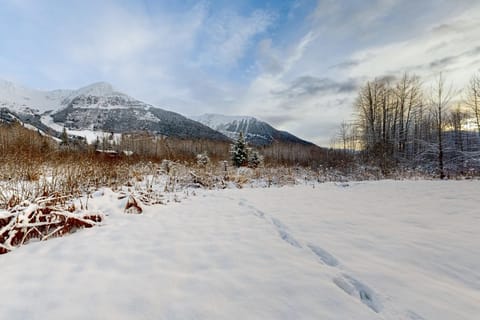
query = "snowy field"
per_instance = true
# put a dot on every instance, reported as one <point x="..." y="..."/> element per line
<point x="373" y="250"/>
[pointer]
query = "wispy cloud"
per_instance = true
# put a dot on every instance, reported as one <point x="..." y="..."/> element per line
<point x="429" y="52"/>
<point x="308" y="85"/>
<point x="228" y="36"/>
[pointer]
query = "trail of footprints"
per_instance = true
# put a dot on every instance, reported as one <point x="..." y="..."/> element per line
<point x="347" y="283"/>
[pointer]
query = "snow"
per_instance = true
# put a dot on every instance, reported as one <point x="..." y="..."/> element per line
<point x="219" y="121"/>
<point x="90" y="135"/>
<point x="147" y="116"/>
<point x="366" y="250"/>
<point x="26" y="100"/>
<point x="99" y="89"/>
<point x="23" y="99"/>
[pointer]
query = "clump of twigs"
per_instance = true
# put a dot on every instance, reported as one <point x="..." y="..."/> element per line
<point x="132" y="206"/>
<point x="42" y="219"/>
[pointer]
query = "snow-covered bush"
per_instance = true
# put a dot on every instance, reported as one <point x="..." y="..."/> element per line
<point x="203" y="159"/>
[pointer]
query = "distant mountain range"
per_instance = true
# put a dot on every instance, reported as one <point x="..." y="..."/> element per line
<point x="256" y="132"/>
<point x="98" y="108"/>
<point x="95" y="108"/>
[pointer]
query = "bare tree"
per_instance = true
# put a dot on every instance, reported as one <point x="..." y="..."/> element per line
<point x="347" y="137"/>
<point x="408" y="102"/>
<point x="473" y="98"/>
<point x="457" y="118"/>
<point x="441" y="97"/>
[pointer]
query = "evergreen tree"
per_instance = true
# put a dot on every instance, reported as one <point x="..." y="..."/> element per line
<point x="254" y="159"/>
<point x="240" y="152"/>
<point x="96" y="144"/>
<point x="64" y="137"/>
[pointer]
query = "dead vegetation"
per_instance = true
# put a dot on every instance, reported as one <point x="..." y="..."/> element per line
<point x="41" y="180"/>
<point x="45" y="218"/>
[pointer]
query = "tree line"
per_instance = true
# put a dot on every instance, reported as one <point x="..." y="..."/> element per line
<point x="20" y="144"/>
<point x="401" y="124"/>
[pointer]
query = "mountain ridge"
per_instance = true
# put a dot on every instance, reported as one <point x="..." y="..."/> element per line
<point x="96" y="107"/>
<point x="255" y="131"/>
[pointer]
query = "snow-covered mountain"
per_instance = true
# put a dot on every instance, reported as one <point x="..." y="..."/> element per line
<point x="256" y="132"/>
<point x="20" y="99"/>
<point x="94" y="108"/>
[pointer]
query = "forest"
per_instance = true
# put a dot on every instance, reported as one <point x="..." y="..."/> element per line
<point x="400" y="123"/>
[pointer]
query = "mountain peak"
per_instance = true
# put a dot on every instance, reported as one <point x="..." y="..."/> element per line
<point x="9" y="88"/>
<point x="96" y="89"/>
<point x="256" y="132"/>
<point x="23" y="99"/>
<point x="6" y="83"/>
<point x="217" y="121"/>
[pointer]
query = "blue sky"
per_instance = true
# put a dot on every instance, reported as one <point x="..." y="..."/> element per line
<point x="296" y="64"/>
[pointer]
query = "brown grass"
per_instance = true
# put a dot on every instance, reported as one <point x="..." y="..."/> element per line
<point x="47" y="218"/>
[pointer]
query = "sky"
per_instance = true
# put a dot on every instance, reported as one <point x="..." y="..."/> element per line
<point x="296" y="64"/>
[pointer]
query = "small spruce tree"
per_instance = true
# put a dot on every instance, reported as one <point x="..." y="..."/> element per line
<point x="64" y="137"/>
<point x="254" y="159"/>
<point x="239" y="152"/>
<point x="96" y="144"/>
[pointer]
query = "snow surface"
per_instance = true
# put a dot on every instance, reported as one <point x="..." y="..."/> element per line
<point x="219" y="121"/>
<point x="373" y="250"/>
<point x="98" y="89"/>
<point x="27" y="100"/>
<point x="90" y="135"/>
<point x="224" y="124"/>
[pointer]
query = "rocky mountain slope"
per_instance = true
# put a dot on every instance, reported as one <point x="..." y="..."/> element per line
<point x="98" y="108"/>
<point x="256" y="132"/>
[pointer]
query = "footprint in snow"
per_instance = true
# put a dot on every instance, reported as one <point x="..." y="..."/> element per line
<point x="324" y="256"/>
<point x="255" y="211"/>
<point x="357" y="289"/>
<point x="279" y="226"/>
<point x="284" y="234"/>
<point x="414" y="316"/>
<point x="348" y="284"/>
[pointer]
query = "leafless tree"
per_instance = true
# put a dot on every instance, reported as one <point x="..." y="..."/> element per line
<point x="408" y="102"/>
<point x="347" y="138"/>
<point x="441" y="96"/>
<point x="472" y="98"/>
<point x="456" y="122"/>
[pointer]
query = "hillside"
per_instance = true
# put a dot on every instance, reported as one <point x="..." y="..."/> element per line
<point x="96" y="108"/>
<point x="256" y="132"/>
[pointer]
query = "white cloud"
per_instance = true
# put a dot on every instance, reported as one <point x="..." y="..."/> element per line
<point x="229" y="35"/>
<point x="451" y="47"/>
<point x="344" y="15"/>
<point x="113" y="41"/>
<point x="299" y="50"/>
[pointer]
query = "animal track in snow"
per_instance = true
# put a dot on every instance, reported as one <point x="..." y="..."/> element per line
<point x="348" y="284"/>
<point x="279" y="226"/>
<point x="357" y="289"/>
<point x="255" y="211"/>
<point x="284" y="234"/>
<point x="414" y="316"/>
<point x="324" y="256"/>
